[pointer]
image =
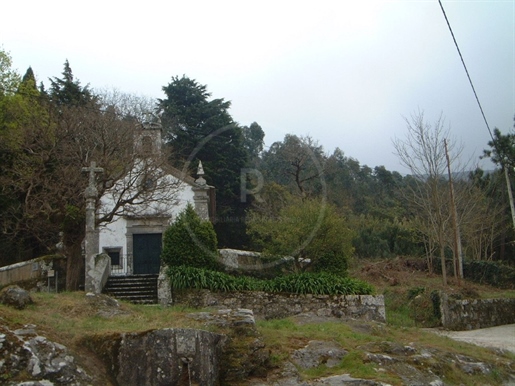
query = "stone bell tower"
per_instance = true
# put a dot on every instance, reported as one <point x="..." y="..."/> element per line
<point x="148" y="140"/>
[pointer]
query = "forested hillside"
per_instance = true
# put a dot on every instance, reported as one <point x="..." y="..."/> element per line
<point x="287" y="197"/>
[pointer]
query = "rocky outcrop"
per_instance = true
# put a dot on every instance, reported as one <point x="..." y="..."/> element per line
<point x="16" y="297"/>
<point x="414" y="365"/>
<point x="244" y="352"/>
<point x="172" y="356"/>
<point x="420" y="365"/>
<point x="104" y="306"/>
<point x="289" y="376"/>
<point x="180" y="356"/>
<point x="318" y="353"/>
<point x="26" y="355"/>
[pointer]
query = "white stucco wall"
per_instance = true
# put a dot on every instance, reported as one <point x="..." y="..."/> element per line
<point x="184" y="197"/>
<point x="113" y="235"/>
<point x="165" y="206"/>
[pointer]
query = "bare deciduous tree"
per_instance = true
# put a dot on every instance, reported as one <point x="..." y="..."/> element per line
<point x="49" y="147"/>
<point x="423" y="153"/>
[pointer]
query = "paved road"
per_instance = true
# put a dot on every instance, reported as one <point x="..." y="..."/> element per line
<point x="502" y="337"/>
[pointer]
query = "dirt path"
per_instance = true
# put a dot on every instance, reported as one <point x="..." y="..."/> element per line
<point x="501" y="337"/>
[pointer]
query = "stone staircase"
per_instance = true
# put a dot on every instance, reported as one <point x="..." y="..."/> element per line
<point x="139" y="289"/>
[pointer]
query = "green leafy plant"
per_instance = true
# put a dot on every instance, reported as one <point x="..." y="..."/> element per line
<point x="183" y="277"/>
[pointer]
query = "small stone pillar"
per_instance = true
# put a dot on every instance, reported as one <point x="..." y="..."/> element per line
<point x="91" y="240"/>
<point x="201" y="194"/>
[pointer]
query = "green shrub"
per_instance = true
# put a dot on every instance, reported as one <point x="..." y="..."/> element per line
<point x="334" y="262"/>
<point x="382" y="237"/>
<point x="435" y="298"/>
<point x="190" y="241"/>
<point x="412" y="308"/>
<point x="311" y="231"/>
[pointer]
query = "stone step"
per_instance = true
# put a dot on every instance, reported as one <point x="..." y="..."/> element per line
<point x="129" y="292"/>
<point x="131" y="285"/>
<point x="141" y="289"/>
<point x="133" y="278"/>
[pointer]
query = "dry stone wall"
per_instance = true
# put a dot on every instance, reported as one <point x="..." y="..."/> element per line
<point x="273" y="305"/>
<point x="472" y="314"/>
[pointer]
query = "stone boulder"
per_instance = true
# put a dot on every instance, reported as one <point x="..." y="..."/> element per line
<point x="16" y="297"/>
<point x="104" y="306"/>
<point x="317" y="353"/>
<point x="229" y="318"/>
<point x="35" y="359"/>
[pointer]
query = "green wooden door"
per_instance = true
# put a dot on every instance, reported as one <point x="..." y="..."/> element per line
<point x="146" y="251"/>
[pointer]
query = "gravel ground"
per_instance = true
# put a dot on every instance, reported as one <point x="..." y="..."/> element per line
<point x="500" y="337"/>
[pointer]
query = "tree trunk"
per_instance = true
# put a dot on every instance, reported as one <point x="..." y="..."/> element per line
<point x="442" y="257"/>
<point x="74" y="267"/>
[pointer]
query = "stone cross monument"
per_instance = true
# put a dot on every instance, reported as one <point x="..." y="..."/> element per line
<point x="91" y="240"/>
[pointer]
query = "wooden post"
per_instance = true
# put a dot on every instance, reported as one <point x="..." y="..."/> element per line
<point x="510" y="193"/>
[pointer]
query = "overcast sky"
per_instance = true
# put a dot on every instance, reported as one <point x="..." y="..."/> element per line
<point x="343" y="72"/>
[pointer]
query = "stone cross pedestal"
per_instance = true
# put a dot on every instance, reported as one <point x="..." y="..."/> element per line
<point x="201" y="194"/>
<point x="91" y="240"/>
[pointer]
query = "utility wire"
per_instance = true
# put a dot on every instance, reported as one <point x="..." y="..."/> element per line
<point x="468" y="75"/>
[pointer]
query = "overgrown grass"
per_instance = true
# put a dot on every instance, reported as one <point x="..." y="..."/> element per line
<point x="414" y="307"/>
<point x="69" y="316"/>
<point x="304" y="283"/>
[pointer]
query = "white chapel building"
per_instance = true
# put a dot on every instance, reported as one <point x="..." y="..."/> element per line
<point x="133" y="240"/>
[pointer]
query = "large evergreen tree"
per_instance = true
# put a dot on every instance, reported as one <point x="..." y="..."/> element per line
<point x="253" y="141"/>
<point x="68" y="91"/>
<point x="199" y="128"/>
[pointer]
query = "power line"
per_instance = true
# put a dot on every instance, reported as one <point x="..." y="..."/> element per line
<point x="466" y="70"/>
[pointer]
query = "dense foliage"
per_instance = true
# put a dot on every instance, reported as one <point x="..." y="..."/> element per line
<point x="490" y="272"/>
<point x="291" y="198"/>
<point x="46" y="138"/>
<point x="183" y="277"/>
<point x="190" y="241"/>
<point x="309" y="230"/>
<point x="197" y="128"/>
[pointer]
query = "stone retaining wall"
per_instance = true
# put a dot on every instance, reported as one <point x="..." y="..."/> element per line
<point x="35" y="269"/>
<point x="273" y="305"/>
<point x="472" y="314"/>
